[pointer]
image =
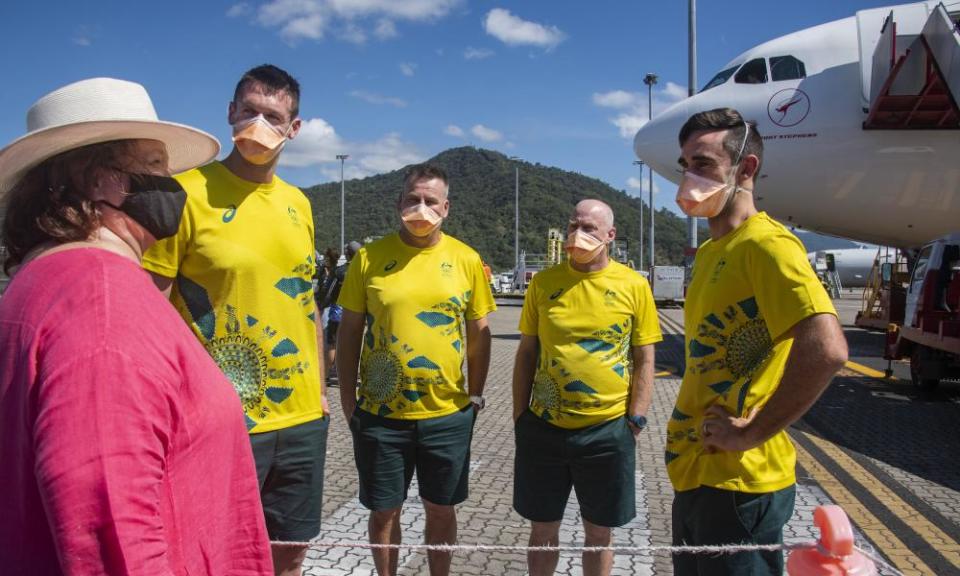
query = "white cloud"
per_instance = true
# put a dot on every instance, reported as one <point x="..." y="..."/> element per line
<point x="634" y="106"/>
<point x="472" y="53"/>
<point x="674" y="92"/>
<point x="350" y="20"/>
<point x="408" y="68"/>
<point x="385" y="29"/>
<point x="486" y="134"/>
<point x="454" y="130"/>
<point x="237" y="10"/>
<point x="629" y="124"/>
<point x="378" y="99"/>
<point x="318" y="144"/>
<point x="616" y="99"/>
<point x="510" y="29"/>
<point x="352" y="34"/>
<point x="642" y="185"/>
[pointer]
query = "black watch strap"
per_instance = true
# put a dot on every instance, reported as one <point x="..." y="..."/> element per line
<point x="638" y="421"/>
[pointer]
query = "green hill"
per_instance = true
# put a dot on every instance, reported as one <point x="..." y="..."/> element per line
<point x="482" y="210"/>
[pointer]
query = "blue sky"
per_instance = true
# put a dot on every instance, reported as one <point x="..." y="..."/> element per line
<point x="392" y="82"/>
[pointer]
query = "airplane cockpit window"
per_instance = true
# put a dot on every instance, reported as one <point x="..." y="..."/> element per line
<point x="720" y="78"/>
<point x="786" y="68"/>
<point x="753" y="72"/>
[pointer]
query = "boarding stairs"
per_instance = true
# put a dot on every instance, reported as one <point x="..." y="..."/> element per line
<point x="912" y="80"/>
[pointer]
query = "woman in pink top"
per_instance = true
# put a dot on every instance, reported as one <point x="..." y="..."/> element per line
<point x="122" y="445"/>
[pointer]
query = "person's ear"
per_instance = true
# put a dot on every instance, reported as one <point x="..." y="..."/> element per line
<point x="748" y="168"/>
<point x="294" y="128"/>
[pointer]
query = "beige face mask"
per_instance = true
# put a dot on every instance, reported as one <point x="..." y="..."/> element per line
<point x="583" y="247"/>
<point x="706" y="198"/>
<point x="420" y="220"/>
<point x="257" y="140"/>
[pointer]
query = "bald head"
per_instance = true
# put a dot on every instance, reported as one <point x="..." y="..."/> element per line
<point x="598" y="208"/>
<point x="594" y="217"/>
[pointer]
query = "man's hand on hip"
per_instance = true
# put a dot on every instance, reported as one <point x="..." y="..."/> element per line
<point x="722" y="431"/>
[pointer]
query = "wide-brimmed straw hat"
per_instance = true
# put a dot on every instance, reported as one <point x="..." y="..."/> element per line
<point x="94" y="111"/>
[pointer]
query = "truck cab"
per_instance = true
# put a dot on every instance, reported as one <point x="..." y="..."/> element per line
<point x="930" y="334"/>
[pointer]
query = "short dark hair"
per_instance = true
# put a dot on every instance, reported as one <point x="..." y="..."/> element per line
<point x="51" y="203"/>
<point x="726" y="119"/>
<point x="274" y="80"/>
<point x="422" y="172"/>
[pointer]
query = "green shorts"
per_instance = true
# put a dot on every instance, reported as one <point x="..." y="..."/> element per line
<point x="599" y="462"/>
<point x="708" y="516"/>
<point x="290" y="469"/>
<point x="388" y="451"/>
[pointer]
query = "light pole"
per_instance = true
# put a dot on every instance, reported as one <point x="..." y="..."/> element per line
<point x="342" y="158"/>
<point x="516" y="214"/>
<point x="691" y="90"/>
<point x="640" y="196"/>
<point x="650" y="80"/>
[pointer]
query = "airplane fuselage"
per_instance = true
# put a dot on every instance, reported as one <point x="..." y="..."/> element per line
<point x="821" y="169"/>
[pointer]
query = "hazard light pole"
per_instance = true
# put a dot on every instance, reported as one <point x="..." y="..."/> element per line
<point x="342" y="158"/>
<point x="516" y="216"/>
<point x="691" y="90"/>
<point x="650" y="80"/>
<point x="640" y="196"/>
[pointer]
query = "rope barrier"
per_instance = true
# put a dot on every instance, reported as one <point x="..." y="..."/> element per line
<point x="626" y="550"/>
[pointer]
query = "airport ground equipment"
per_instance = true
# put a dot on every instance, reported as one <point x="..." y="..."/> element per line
<point x="668" y="284"/>
<point x="884" y="296"/>
<point x="930" y="333"/>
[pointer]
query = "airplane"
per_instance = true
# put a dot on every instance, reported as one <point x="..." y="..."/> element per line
<point x="853" y="265"/>
<point x="859" y="119"/>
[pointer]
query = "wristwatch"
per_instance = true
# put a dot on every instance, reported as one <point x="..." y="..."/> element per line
<point x="638" y="421"/>
<point x="478" y="401"/>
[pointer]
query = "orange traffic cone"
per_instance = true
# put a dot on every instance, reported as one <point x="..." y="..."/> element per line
<point x="834" y="554"/>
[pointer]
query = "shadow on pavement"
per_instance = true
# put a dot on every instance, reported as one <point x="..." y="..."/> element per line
<point x="894" y="422"/>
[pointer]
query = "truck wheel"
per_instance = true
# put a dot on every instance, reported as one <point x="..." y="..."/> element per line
<point x="921" y="380"/>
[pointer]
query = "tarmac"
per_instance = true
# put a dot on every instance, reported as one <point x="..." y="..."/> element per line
<point x="877" y="446"/>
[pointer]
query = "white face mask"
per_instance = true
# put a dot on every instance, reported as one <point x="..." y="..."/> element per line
<point x="704" y="197"/>
<point x="259" y="141"/>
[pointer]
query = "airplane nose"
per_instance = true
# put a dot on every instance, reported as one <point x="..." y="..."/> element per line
<point x="656" y="142"/>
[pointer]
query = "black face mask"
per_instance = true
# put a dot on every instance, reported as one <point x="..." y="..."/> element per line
<point x="154" y="202"/>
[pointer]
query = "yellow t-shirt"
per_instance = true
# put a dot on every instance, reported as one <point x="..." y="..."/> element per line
<point x="586" y="324"/>
<point x="748" y="290"/>
<point x="242" y="263"/>
<point x="416" y="303"/>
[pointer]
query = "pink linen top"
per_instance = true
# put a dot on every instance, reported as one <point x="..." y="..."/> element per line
<point x="122" y="445"/>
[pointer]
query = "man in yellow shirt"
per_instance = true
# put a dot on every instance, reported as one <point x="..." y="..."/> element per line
<point x="578" y="404"/>
<point x="423" y="298"/>
<point x="239" y="271"/>
<point x="762" y="343"/>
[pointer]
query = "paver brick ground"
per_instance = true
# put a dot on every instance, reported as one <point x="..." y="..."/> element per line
<point x="487" y="517"/>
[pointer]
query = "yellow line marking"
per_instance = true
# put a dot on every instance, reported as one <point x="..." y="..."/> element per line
<point x="938" y="539"/>
<point x="865" y="370"/>
<point x="662" y="374"/>
<point x="872" y="527"/>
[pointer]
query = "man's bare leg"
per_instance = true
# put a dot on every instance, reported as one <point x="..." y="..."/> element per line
<point x="288" y="560"/>
<point x="543" y="534"/>
<point x="597" y="563"/>
<point x="384" y="528"/>
<point x="441" y="528"/>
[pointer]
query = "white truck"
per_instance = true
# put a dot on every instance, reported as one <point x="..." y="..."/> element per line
<point x="930" y="333"/>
